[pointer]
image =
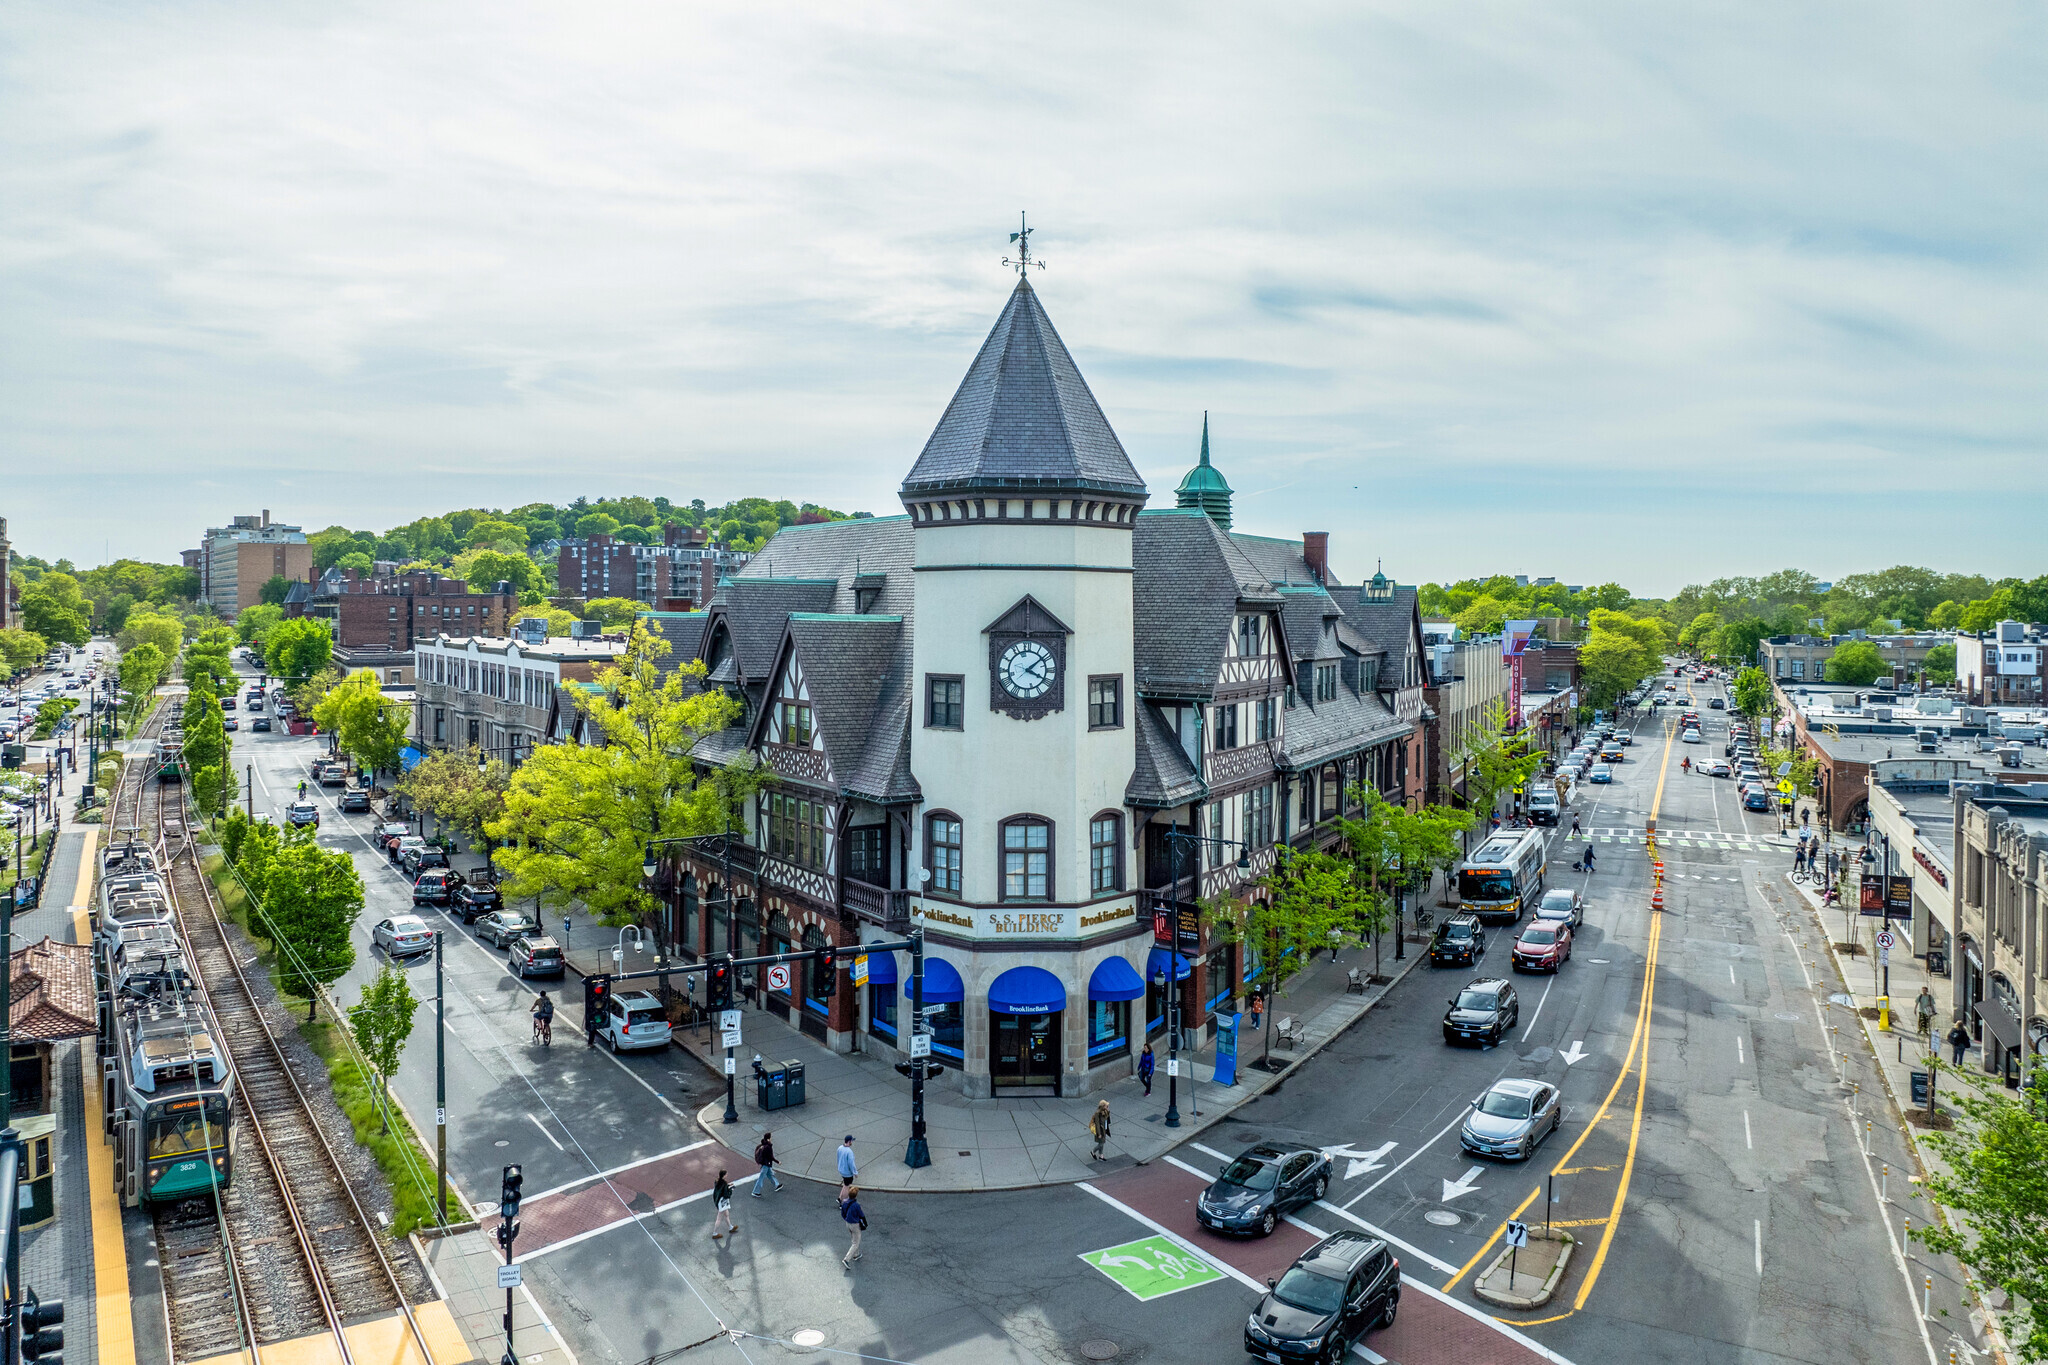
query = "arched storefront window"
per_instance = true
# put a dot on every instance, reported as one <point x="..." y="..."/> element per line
<point x="687" y="941"/>
<point x="814" y="975"/>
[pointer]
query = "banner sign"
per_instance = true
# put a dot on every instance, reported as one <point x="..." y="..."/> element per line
<point x="1189" y="939"/>
<point x="1890" y="897"/>
<point x="1898" y="901"/>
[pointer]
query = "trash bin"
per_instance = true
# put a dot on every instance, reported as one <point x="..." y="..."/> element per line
<point x="793" y="1082"/>
<point x="771" y="1088"/>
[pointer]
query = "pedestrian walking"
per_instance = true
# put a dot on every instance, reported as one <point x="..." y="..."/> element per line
<point x="1258" y="1003"/>
<point x="1147" y="1063"/>
<point x="1575" y="826"/>
<point x="764" y="1157"/>
<point x="1959" y="1040"/>
<point x="848" y="1170"/>
<point x="1098" y="1128"/>
<point x="1336" y="942"/>
<point x="721" y="1202"/>
<point x="856" y="1222"/>
<point x="1923" y="1008"/>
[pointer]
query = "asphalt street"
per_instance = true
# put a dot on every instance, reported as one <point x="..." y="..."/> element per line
<point x="1708" y="1161"/>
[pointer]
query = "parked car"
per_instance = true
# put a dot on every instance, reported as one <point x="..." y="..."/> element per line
<point x="403" y="935"/>
<point x="302" y="813"/>
<point x="260" y="723"/>
<point x="229" y="723"/>
<point x="634" y="1020"/>
<point x="476" y="898"/>
<point x="389" y="833"/>
<point x="1756" y="798"/>
<point x="500" y="927"/>
<point x="334" y="775"/>
<point x="1545" y="946"/>
<point x="355" y="799"/>
<point x="1459" y="941"/>
<point x="406" y="843"/>
<point x="1482" y="1012"/>
<point x="1717" y="768"/>
<point x="536" y="955"/>
<point x="1562" y="904"/>
<point x="436" y="886"/>
<point x="1341" y="1288"/>
<point x="1260" y="1185"/>
<point x="418" y="860"/>
<point x="1511" y="1119"/>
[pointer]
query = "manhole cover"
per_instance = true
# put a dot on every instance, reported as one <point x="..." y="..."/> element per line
<point x="1443" y="1218"/>
<point x="1100" y="1349"/>
<point x="809" y="1336"/>
<point x="1788" y="1018"/>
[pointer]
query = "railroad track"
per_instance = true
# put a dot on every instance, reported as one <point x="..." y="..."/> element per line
<point x="288" y="1251"/>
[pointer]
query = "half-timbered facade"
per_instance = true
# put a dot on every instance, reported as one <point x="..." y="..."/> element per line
<point x="989" y="718"/>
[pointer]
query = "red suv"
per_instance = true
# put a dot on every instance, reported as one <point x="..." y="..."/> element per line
<point x="1545" y="946"/>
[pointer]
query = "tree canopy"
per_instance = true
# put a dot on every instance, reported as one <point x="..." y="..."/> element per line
<point x="298" y="651"/>
<point x="365" y="723"/>
<point x="1856" y="663"/>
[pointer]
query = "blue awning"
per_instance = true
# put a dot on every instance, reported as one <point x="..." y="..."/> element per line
<point x="1155" y="965"/>
<point x="409" y="758"/>
<point x="942" y="984"/>
<point x="1115" y="979"/>
<point x="1027" y="990"/>
<point x="881" y="969"/>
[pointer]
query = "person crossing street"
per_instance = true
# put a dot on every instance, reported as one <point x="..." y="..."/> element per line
<point x="764" y="1157"/>
<point x="856" y="1222"/>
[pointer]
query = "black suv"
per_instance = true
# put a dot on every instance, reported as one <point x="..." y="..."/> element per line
<point x="355" y="799"/>
<point x="476" y="898"/>
<point x="1482" y="1012"/>
<point x="1346" y="1285"/>
<point x="1460" y="941"/>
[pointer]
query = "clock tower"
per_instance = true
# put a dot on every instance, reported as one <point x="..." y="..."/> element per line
<point x="1022" y="506"/>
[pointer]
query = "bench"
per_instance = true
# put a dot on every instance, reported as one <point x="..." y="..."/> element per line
<point x="1284" y="1035"/>
<point x="1354" y="984"/>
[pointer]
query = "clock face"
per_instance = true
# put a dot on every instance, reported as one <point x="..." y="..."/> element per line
<point x="1026" y="669"/>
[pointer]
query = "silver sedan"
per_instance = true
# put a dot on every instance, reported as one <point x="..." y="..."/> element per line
<point x="1511" y="1119"/>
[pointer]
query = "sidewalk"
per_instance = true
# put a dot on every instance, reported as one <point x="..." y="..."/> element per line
<point x="464" y="1264"/>
<point x="993" y="1143"/>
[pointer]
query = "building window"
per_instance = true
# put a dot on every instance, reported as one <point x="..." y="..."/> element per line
<point x="942" y="853"/>
<point x="1105" y="853"/>
<point x="1328" y="800"/>
<point x="882" y="1011"/>
<point x="1215" y="831"/>
<point x="1027" y="859"/>
<point x="796" y="724"/>
<point x="1109" y="1030"/>
<point x="1799" y="668"/>
<point x="1258" y="817"/>
<point x="1326" y="682"/>
<point x="1222" y="977"/>
<point x="1267" y="716"/>
<point x="1306" y="816"/>
<point x="949" y="1033"/>
<point x="440" y="725"/>
<point x="1248" y="635"/>
<point x="945" y="702"/>
<point x="796" y="829"/>
<point x="1105" y="702"/>
<point x="1224" y="728"/>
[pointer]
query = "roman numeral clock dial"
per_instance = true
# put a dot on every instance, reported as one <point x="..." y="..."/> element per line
<point x="1027" y="670"/>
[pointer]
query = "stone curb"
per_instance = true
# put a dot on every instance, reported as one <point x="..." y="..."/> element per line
<point x="711" y="1118"/>
<point x="1501" y="1299"/>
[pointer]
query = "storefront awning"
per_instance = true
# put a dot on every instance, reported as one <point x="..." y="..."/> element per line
<point x="1115" y="979"/>
<point x="2001" y="1021"/>
<point x="942" y="984"/>
<point x="881" y="969"/>
<point x="1155" y="965"/>
<point x="1027" y="990"/>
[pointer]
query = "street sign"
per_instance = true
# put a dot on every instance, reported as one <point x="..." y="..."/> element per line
<point x="732" y="1066"/>
<point x="1785" y="787"/>
<point x="778" y="977"/>
<point x="920" y="1045"/>
<point x="441" y="1118"/>
<point x="509" y="1276"/>
<point x="1884" y="957"/>
<point x="1518" y="1234"/>
<point x="860" y="970"/>
<point x="1152" y="1268"/>
<point x="728" y="1020"/>
<point x="730" y="1038"/>
<point x="1885" y="939"/>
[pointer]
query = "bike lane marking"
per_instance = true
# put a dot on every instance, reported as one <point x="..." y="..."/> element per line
<point x="1152" y="1268"/>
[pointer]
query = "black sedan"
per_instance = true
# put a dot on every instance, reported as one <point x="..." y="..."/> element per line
<point x="1262" y="1184"/>
<point x="1482" y="1012"/>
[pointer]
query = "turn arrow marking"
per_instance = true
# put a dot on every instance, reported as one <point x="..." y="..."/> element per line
<point x="1360" y="1163"/>
<point x="1462" y="1185"/>
<point x="1575" y="1053"/>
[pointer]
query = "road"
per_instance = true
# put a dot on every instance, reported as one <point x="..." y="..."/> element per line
<point x="1708" y="1161"/>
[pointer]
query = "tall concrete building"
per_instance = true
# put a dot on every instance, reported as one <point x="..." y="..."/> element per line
<point x="236" y="560"/>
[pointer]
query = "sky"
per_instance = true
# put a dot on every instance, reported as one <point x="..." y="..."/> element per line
<point x="1604" y="291"/>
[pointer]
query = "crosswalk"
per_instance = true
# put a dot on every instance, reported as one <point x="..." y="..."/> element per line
<point x="1672" y="838"/>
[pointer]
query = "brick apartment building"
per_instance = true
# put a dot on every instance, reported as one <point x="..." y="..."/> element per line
<point x="2003" y="666"/>
<point x="378" y="618"/>
<point x="680" y="574"/>
<point x="236" y="560"/>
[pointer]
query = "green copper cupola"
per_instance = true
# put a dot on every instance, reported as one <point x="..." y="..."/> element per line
<point x="1204" y="489"/>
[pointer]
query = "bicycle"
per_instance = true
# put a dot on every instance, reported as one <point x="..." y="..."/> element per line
<point x="543" y="1031"/>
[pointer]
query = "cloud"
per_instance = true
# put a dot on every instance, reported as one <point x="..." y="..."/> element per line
<point x="1455" y="281"/>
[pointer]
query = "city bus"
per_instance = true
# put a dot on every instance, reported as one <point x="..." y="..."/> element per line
<point x="1503" y="875"/>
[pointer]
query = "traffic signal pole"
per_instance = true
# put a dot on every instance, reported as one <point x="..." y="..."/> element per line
<point x="508" y="1230"/>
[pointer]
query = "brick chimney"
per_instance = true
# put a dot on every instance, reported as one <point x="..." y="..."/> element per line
<point x="1315" y="548"/>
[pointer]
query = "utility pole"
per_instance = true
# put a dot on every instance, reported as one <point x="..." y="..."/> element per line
<point x="508" y="1229"/>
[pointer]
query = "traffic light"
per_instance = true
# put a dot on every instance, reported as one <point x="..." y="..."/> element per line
<point x="42" y="1330"/>
<point x="597" y="993"/>
<point x="828" y="974"/>
<point x="508" y="1207"/>
<point x="718" y="981"/>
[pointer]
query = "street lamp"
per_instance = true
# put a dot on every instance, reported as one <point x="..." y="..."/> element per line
<point x="1178" y="839"/>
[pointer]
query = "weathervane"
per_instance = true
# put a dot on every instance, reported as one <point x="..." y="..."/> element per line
<point x="1022" y="261"/>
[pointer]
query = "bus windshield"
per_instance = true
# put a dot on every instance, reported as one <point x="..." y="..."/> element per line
<point x="1486" y="886"/>
<point x="187" y="1127"/>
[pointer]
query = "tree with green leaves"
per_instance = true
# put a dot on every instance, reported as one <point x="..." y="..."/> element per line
<point x="1940" y="664"/>
<point x="1856" y="663"/>
<point x="460" y="789"/>
<point x="1752" y="692"/>
<point x="1308" y="895"/>
<point x="613" y="613"/>
<point x="56" y="608"/>
<point x="207" y="751"/>
<point x="255" y="623"/>
<point x="142" y="670"/>
<point x="298" y="652"/>
<point x="22" y="648"/>
<point x="382" y="1022"/>
<point x="365" y="723"/>
<point x="1495" y="760"/>
<point x="311" y="899"/>
<point x="578" y="817"/>
<point x="164" y="631"/>
<point x="51" y="714"/>
<point x="1995" y="1180"/>
<point x="274" y="590"/>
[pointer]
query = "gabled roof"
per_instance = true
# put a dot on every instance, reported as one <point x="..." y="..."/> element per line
<point x="53" y="995"/>
<point x="754" y="609"/>
<point x="856" y="669"/>
<point x="1281" y="561"/>
<point x="1189" y="581"/>
<point x="1346" y="723"/>
<point x="1023" y="417"/>
<point x="1389" y="623"/>
<point x="1309" y="617"/>
<point x="1164" y="776"/>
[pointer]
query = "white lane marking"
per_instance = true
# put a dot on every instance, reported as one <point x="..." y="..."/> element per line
<point x="1204" y="1257"/>
<point x="1739" y="1059"/>
<point x="1759" y="1247"/>
<point x="1540" y="1000"/>
<point x="1731" y="974"/>
<point x="1210" y="1151"/>
<point x="1456" y="1119"/>
<point x="1747" y="1140"/>
<point x="615" y="1170"/>
<point x="1463" y="1185"/>
<point x="1445" y="1266"/>
<point x="546" y="1134"/>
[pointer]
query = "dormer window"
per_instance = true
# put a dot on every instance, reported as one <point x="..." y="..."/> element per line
<point x="1326" y="682"/>
<point x="1247" y="635"/>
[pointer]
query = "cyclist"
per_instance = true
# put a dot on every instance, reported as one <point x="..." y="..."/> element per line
<point x="302" y="786"/>
<point x="543" y="1020"/>
<point x="1685" y="764"/>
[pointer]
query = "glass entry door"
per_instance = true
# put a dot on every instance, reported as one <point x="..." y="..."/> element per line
<point x="1026" y="1051"/>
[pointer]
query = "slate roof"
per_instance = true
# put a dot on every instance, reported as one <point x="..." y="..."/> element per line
<point x="1308" y="617"/>
<point x="1189" y="577"/>
<point x="858" y="672"/>
<point x="1023" y="417"/>
<point x="1385" y="623"/>
<point x="1280" y="560"/>
<point x="52" y="992"/>
<point x="1324" y="730"/>
<point x="1164" y="775"/>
